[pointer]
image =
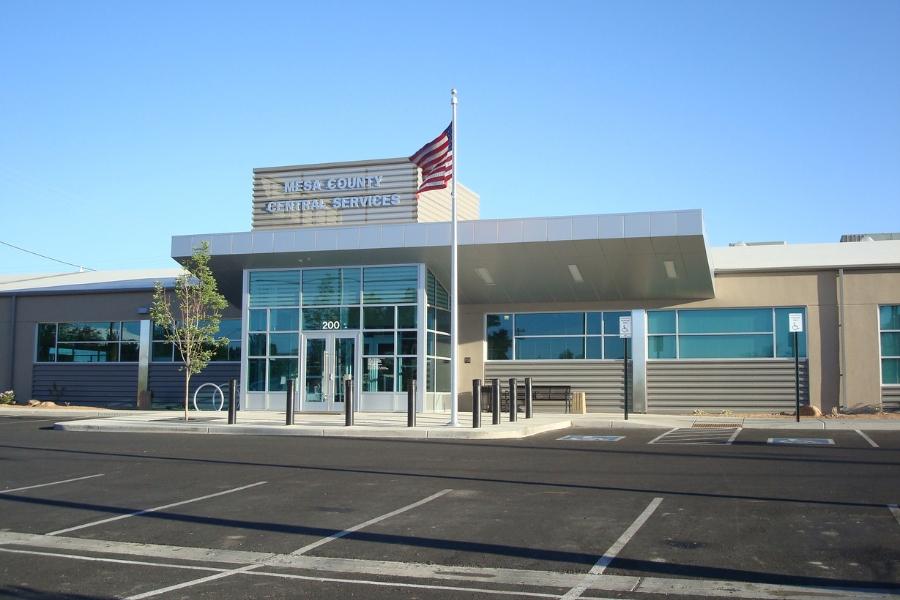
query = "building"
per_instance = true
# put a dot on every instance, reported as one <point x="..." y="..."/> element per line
<point x="345" y="271"/>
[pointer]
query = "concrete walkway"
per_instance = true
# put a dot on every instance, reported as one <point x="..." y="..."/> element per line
<point x="393" y="425"/>
<point x="389" y="425"/>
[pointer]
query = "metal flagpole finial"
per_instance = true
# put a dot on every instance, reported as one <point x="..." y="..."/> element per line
<point x="453" y="96"/>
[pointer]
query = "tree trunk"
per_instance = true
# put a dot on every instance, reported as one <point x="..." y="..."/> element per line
<point x="187" y="385"/>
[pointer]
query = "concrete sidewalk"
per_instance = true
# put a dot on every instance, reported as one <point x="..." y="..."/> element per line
<point x="393" y="425"/>
<point x="382" y="425"/>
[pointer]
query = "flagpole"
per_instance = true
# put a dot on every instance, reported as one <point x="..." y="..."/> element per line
<point x="454" y="279"/>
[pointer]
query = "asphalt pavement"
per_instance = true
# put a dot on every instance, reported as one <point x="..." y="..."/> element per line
<point x="684" y="512"/>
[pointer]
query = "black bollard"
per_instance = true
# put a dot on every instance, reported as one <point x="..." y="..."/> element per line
<point x="529" y="401"/>
<point x="495" y="401"/>
<point x="232" y="402"/>
<point x="476" y="403"/>
<point x="410" y="402"/>
<point x="513" y="400"/>
<point x="348" y="401"/>
<point x="289" y="404"/>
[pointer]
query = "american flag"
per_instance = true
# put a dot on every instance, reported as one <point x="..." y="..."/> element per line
<point x="436" y="161"/>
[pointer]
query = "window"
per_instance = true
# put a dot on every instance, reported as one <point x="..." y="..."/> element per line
<point x="554" y="336"/>
<point x="722" y="333"/>
<point x="389" y="346"/>
<point x="889" y="329"/>
<point x="88" y="342"/>
<point x="163" y="351"/>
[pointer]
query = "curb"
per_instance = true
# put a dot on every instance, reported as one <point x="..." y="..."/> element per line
<point x="356" y="431"/>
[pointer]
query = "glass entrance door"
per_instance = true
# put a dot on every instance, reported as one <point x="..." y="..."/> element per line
<point x="328" y="359"/>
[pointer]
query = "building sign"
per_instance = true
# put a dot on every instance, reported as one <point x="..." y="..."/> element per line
<point x="301" y="185"/>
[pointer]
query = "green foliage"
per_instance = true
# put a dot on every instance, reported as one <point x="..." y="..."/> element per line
<point x="8" y="397"/>
<point x="191" y="319"/>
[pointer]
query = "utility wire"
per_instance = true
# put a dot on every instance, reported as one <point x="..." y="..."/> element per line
<point x="80" y="267"/>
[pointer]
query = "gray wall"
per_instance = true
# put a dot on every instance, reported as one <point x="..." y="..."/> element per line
<point x="602" y="382"/>
<point x="890" y="397"/>
<point x="167" y="382"/>
<point x="103" y="384"/>
<point x="735" y="385"/>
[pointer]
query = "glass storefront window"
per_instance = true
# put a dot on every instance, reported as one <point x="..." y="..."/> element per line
<point x="390" y="285"/>
<point x="726" y="346"/>
<point x="284" y="319"/>
<point x="280" y="371"/>
<point x="378" y="317"/>
<point x="334" y="317"/>
<point x="284" y="344"/>
<point x="379" y="374"/>
<point x="661" y="346"/>
<point x="274" y="288"/>
<point x="549" y="348"/>
<point x="725" y="320"/>
<point x="889" y="330"/>
<point x="660" y="322"/>
<point x="550" y="323"/>
<point x="499" y="337"/>
<point x="378" y="343"/>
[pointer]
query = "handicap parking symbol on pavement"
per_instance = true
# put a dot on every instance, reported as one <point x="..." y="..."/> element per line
<point x="591" y="438"/>
<point x="802" y="441"/>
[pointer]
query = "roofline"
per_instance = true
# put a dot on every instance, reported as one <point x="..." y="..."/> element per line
<point x="328" y="165"/>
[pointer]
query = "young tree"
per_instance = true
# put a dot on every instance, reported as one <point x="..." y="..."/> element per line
<point x="191" y="324"/>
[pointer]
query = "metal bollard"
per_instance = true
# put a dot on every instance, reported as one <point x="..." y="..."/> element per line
<point x="529" y="401"/>
<point x="411" y="403"/>
<point x="289" y="404"/>
<point x="232" y="402"/>
<point x="513" y="400"/>
<point x="495" y="401"/>
<point x="348" y="400"/>
<point x="476" y="403"/>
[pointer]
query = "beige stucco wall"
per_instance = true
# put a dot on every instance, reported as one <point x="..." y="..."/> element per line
<point x="864" y="291"/>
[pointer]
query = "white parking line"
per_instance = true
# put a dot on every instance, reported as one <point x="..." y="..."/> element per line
<point x="298" y="552"/>
<point x="154" y="509"/>
<point x="663" y="434"/>
<point x="867" y="438"/>
<point x="613" y="551"/>
<point x="895" y="510"/>
<point x="40" y="485"/>
<point x="734" y="436"/>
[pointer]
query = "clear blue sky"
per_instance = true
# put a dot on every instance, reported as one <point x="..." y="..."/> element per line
<point x="123" y="123"/>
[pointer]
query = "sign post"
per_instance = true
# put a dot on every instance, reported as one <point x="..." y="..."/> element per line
<point x="795" y="326"/>
<point x="625" y="333"/>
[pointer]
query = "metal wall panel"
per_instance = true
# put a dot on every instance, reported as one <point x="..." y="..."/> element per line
<point x="736" y="385"/>
<point x="601" y="381"/>
<point x="103" y="384"/>
<point x="434" y="206"/>
<point x="890" y="397"/>
<point x="167" y="382"/>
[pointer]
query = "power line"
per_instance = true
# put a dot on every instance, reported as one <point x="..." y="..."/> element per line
<point x="80" y="267"/>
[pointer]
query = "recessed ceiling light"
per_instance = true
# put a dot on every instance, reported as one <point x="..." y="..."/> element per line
<point x="670" y="269"/>
<point x="576" y="274"/>
<point x="485" y="275"/>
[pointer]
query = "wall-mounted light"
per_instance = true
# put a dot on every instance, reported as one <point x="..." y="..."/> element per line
<point x="143" y="310"/>
<point x="485" y="275"/>
<point x="576" y="274"/>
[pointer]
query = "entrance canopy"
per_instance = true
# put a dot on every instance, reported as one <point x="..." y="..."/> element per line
<point x="641" y="257"/>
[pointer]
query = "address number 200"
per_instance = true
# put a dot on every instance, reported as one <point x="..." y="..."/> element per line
<point x="331" y="324"/>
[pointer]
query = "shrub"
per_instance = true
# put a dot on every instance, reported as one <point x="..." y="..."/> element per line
<point x="8" y="397"/>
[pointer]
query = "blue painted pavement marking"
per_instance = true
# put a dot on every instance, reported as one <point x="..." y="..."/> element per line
<point x="591" y="438"/>
<point x="803" y="441"/>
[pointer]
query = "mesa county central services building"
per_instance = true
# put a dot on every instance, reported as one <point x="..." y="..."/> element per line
<point x="345" y="271"/>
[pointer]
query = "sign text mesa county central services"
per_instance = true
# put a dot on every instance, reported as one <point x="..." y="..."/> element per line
<point x="299" y="185"/>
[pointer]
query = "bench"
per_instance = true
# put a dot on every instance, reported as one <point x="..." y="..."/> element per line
<point x="539" y="393"/>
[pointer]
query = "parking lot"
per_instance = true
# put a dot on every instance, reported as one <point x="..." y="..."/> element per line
<point x="635" y="513"/>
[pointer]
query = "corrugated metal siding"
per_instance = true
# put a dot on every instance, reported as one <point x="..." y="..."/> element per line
<point x="601" y="381"/>
<point x="434" y="205"/>
<point x="890" y="397"/>
<point x="167" y="382"/>
<point x="738" y="385"/>
<point x="112" y="384"/>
